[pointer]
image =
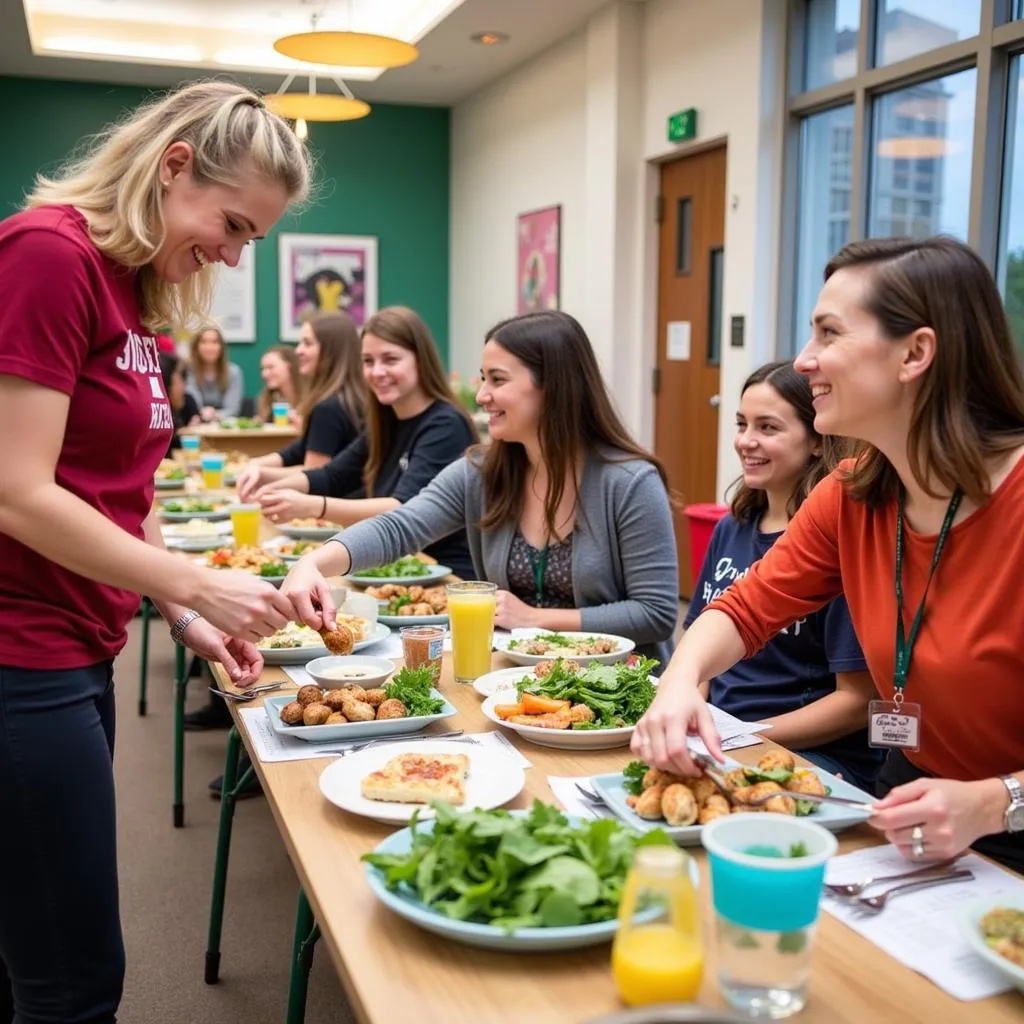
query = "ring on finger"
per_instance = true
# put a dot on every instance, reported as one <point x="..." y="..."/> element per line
<point x="917" y="841"/>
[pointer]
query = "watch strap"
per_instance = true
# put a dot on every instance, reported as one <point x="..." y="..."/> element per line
<point x="1013" y="814"/>
<point x="181" y="624"/>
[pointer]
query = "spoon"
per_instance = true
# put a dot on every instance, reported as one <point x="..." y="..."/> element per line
<point x="876" y="904"/>
<point x="848" y="890"/>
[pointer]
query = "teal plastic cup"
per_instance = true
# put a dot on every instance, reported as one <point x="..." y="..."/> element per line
<point x="767" y="872"/>
<point x="190" y="442"/>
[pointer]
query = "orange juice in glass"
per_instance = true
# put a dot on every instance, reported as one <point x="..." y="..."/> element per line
<point x="245" y="525"/>
<point x="471" y="614"/>
<point x="212" y="464"/>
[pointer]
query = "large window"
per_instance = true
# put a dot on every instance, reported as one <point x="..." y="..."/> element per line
<point x="908" y="119"/>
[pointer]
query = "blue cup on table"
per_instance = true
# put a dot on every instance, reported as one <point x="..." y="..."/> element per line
<point x="281" y="412"/>
<point x="767" y="872"/>
<point x="190" y="443"/>
<point x="212" y="464"/>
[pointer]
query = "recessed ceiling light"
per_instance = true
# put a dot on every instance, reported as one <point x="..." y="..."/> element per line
<point x="489" y="38"/>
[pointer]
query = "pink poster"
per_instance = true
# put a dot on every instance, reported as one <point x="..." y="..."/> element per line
<point x="537" y="263"/>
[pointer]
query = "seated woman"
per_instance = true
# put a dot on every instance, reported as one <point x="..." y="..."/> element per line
<point x="215" y="384"/>
<point x="415" y="427"/>
<point x="332" y="407"/>
<point x="563" y="510"/>
<point x="810" y="681"/>
<point x="183" y="406"/>
<point x="279" y="371"/>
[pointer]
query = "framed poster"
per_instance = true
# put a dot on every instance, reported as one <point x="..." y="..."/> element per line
<point x="538" y="259"/>
<point x="326" y="274"/>
<point x="234" y="298"/>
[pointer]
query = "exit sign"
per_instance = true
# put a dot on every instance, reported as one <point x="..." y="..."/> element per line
<point x="683" y="126"/>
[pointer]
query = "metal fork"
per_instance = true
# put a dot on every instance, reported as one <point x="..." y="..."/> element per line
<point x="876" y="904"/>
<point x="850" y="890"/>
<point x="246" y="695"/>
<point x="401" y="739"/>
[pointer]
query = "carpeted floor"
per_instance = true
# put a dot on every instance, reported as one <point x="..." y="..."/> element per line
<point x="166" y="875"/>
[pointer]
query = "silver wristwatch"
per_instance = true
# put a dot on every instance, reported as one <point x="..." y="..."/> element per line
<point x="182" y="623"/>
<point x="1014" y="816"/>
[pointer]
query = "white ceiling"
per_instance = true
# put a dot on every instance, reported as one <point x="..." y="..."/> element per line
<point x="450" y="66"/>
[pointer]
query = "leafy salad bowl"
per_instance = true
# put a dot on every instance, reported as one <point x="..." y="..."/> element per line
<point x="528" y="847"/>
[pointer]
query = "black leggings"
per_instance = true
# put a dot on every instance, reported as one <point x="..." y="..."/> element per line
<point x="1006" y="848"/>
<point x="60" y="931"/>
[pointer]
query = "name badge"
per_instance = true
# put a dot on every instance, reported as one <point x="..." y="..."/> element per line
<point x="894" y="725"/>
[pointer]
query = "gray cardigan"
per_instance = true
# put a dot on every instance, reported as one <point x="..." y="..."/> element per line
<point x="625" y="577"/>
<point x="207" y="392"/>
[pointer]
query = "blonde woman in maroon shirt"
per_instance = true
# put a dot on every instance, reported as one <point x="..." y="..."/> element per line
<point x="118" y="244"/>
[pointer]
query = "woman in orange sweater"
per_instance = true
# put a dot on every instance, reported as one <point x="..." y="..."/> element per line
<point x="911" y="354"/>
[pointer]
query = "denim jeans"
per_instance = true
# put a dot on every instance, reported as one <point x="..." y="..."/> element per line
<point x="60" y="931"/>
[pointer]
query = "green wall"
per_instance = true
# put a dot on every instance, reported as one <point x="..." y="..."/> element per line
<point x="386" y="175"/>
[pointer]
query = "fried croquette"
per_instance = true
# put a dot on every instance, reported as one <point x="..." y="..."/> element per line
<point x="805" y="781"/>
<point x="374" y="697"/>
<point x="391" y="708"/>
<point x="335" y="698"/>
<point x="777" y="761"/>
<point x="309" y="695"/>
<point x="678" y="805"/>
<point x="291" y="714"/>
<point x="648" y="806"/>
<point x="358" y="711"/>
<point x="338" y="640"/>
<point x="315" y="714"/>
<point x="337" y="718"/>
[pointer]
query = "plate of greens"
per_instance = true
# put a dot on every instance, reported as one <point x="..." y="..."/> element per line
<point x="553" y="882"/>
<point x="181" y="510"/>
<point x="240" y="423"/>
<point x="571" y="706"/>
<point x="405" y="572"/>
<point x="645" y="798"/>
<point x="534" y="646"/>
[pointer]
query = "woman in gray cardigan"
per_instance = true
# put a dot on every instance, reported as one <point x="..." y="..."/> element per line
<point x="563" y="510"/>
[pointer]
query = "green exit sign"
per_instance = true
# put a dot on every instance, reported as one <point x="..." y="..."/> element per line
<point x="683" y="126"/>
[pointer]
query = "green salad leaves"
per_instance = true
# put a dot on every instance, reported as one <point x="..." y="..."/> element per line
<point x="412" y="687"/>
<point x="408" y="566"/>
<point x="617" y="694"/>
<point x="517" y="871"/>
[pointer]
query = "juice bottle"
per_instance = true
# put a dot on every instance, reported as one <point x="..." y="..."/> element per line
<point x="658" y="953"/>
<point x="471" y="613"/>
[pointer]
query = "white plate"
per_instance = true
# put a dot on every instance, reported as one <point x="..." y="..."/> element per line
<point x="970" y="920"/>
<point x="397" y="621"/>
<point x="276" y="543"/>
<point x="575" y="739"/>
<point x="170" y="485"/>
<point x="500" y="679"/>
<point x="432" y="575"/>
<point x="310" y="532"/>
<point x="195" y="544"/>
<point x="184" y="517"/>
<point x="831" y="816"/>
<point x="351" y="730"/>
<point x="300" y="655"/>
<point x="275" y="580"/>
<point x="494" y="779"/>
<point x="625" y="646"/>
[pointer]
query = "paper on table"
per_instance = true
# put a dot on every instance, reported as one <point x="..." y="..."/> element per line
<point x="566" y="793"/>
<point x="920" y="929"/>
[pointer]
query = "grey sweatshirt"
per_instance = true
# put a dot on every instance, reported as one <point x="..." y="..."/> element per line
<point x="624" y="568"/>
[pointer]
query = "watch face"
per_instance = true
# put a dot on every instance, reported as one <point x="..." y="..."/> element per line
<point x="1015" y="819"/>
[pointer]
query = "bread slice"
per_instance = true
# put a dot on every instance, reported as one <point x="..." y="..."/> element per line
<point x="418" y="779"/>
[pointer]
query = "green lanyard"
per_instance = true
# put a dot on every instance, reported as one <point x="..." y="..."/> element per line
<point x="538" y="568"/>
<point x="905" y="642"/>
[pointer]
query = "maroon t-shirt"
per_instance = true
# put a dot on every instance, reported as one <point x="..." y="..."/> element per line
<point x="69" y="321"/>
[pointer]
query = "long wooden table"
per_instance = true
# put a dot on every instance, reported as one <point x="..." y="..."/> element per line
<point x="261" y="441"/>
<point x="394" y="971"/>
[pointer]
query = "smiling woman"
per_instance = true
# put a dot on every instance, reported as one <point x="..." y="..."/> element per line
<point x="114" y="247"/>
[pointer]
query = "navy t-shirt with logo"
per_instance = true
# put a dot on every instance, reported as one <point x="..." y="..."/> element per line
<point x="795" y="668"/>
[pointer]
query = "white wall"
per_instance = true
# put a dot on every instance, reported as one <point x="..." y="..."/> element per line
<point x="584" y="125"/>
<point x="517" y="146"/>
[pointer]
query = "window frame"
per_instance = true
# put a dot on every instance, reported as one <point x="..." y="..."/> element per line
<point x="1000" y="37"/>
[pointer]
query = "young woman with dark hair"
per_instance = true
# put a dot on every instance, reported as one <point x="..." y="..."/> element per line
<point x="810" y="682"/>
<point x="414" y="428"/>
<point x="911" y="354"/>
<point x="282" y="381"/>
<point x="563" y="510"/>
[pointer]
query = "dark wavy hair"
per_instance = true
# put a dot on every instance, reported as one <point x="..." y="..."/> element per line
<point x="749" y="504"/>
<point x="970" y="404"/>
<point x="577" y="416"/>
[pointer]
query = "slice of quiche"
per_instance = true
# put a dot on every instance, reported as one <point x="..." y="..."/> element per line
<point x="418" y="779"/>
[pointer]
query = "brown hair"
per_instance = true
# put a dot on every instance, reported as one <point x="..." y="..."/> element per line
<point x="749" y="504"/>
<point x="970" y="404"/>
<point x="339" y="369"/>
<point x="402" y="326"/>
<point x="268" y="396"/>
<point x="198" y="368"/>
<point x="577" y="416"/>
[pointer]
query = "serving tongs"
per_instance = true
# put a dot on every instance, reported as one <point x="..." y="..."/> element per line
<point x="714" y="773"/>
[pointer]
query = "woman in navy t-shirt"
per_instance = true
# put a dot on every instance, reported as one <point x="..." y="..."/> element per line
<point x="810" y="682"/>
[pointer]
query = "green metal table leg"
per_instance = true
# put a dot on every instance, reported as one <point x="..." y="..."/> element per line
<point x="180" y="682"/>
<point x="306" y="934"/>
<point x="147" y="611"/>
<point x="230" y="786"/>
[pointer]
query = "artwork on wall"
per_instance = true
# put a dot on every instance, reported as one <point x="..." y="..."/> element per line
<point x="326" y="274"/>
<point x="539" y="243"/>
<point x="234" y="298"/>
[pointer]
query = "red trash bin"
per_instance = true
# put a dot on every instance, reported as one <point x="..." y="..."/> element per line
<point x="702" y="520"/>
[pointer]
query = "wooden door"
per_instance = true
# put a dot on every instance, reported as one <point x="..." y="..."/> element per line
<point x="691" y="258"/>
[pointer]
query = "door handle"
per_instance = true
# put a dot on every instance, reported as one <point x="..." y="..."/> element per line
<point x="715" y="401"/>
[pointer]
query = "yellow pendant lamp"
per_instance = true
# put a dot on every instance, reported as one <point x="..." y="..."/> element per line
<point x="347" y="49"/>
<point x="316" y="106"/>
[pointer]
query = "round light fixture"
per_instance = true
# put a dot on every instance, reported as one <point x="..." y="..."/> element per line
<point x="315" y="106"/>
<point x="489" y="38"/>
<point x="347" y="49"/>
